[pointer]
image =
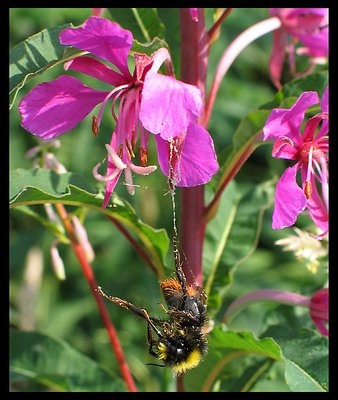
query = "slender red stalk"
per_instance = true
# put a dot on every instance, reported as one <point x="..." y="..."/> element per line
<point x="231" y="53"/>
<point x="89" y="275"/>
<point x="194" y="61"/>
<point x="212" y="33"/>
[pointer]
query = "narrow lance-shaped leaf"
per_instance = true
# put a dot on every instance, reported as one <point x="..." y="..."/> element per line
<point x="232" y="236"/>
<point x="55" y="364"/>
<point x="35" y="55"/>
<point x="39" y="186"/>
<point x="316" y="82"/>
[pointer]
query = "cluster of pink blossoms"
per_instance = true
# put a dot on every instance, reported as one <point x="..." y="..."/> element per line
<point x="148" y="102"/>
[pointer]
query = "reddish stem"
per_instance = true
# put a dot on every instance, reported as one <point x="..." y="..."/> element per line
<point x="231" y="53"/>
<point x="89" y="275"/>
<point x="194" y="49"/>
<point x="213" y="30"/>
<point x="194" y="61"/>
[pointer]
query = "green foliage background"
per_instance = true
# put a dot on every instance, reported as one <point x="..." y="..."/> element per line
<point x="66" y="310"/>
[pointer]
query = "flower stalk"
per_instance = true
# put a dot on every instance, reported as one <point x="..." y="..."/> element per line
<point x="231" y="53"/>
<point x="317" y="304"/>
<point x="194" y="61"/>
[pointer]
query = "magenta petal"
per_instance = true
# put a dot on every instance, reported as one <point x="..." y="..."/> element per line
<point x="325" y="109"/>
<point x="289" y="200"/>
<point x="276" y="58"/>
<point x="317" y="44"/>
<point x="284" y="148"/>
<point x="287" y="122"/>
<point x="315" y="205"/>
<point x="319" y="310"/>
<point x="102" y="38"/>
<point x="169" y="106"/>
<point x="96" y="69"/>
<point x="198" y="159"/>
<point x="52" y="108"/>
<point x="324" y="105"/>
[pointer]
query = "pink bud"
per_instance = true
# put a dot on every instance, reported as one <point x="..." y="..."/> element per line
<point x="319" y="310"/>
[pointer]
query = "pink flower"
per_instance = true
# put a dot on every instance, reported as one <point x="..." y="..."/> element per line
<point x="310" y="150"/>
<point x="307" y="25"/>
<point x="148" y="102"/>
<point x="319" y="310"/>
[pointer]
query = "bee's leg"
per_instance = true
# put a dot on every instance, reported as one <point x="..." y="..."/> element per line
<point x="150" y="342"/>
<point x="123" y="303"/>
<point x="163" y="308"/>
<point x="151" y="323"/>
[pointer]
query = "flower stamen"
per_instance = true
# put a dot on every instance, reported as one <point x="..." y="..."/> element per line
<point x="307" y="189"/>
<point x="106" y="178"/>
<point x="129" y="181"/>
<point x="143" y="156"/>
<point x="95" y="126"/>
<point x="143" y="170"/>
<point x="115" y="158"/>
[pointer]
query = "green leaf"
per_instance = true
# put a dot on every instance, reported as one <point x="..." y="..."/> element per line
<point x="54" y="363"/>
<point x="57" y="230"/>
<point x="47" y="181"/>
<point x="224" y="348"/>
<point x="316" y="82"/>
<point x="148" y="48"/>
<point x="35" y="55"/>
<point x="144" y="23"/>
<point x="39" y="186"/>
<point x="232" y="236"/>
<point x="245" y="378"/>
<point x="305" y="353"/>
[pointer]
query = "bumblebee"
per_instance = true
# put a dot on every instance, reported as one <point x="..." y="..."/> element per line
<point x="181" y="340"/>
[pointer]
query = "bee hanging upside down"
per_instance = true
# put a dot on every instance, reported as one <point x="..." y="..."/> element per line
<point x="181" y="340"/>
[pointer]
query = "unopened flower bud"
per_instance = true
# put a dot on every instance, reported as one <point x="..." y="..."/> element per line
<point x="51" y="162"/>
<point x="57" y="263"/>
<point x="319" y="310"/>
<point x="82" y="237"/>
<point x="33" y="151"/>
